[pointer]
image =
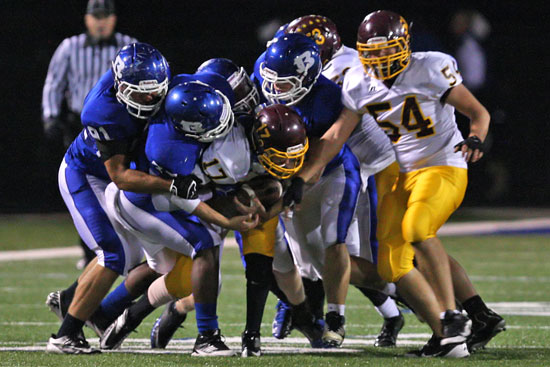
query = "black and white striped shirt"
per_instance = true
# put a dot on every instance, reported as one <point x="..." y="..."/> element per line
<point x="75" y="68"/>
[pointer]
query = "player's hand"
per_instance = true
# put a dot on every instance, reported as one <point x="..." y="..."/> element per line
<point x="471" y="148"/>
<point x="186" y="187"/>
<point x="243" y="223"/>
<point x="53" y="129"/>
<point x="293" y="195"/>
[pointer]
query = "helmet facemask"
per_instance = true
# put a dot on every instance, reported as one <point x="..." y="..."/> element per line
<point x="289" y="97"/>
<point x="125" y="91"/>
<point x="246" y="94"/>
<point x="283" y="165"/>
<point x="387" y="66"/>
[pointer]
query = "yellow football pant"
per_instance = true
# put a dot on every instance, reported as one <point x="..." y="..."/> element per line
<point x="421" y="203"/>
<point x="261" y="240"/>
<point x="178" y="280"/>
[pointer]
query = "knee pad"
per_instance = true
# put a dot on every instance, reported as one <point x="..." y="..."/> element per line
<point x="259" y="269"/>
<point x="178" y="280"/>
<point x="417" y="222"/>
<point x="395" y="260"/>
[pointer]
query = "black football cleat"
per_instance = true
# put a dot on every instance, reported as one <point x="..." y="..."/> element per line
<point x="389" y="332"/>
<point x="166" y="325"/>
<point x="485" y="325"/>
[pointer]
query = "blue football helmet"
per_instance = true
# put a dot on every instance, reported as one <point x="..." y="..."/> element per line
<point x="246" y="94"/>
<point x="141" y="77"/>
<point x="199" y="111"/>
<point x="291" y="67"/>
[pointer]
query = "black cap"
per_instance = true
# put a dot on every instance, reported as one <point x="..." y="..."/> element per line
<point x="100" y="8"/>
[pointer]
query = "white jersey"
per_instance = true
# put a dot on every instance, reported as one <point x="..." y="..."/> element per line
<point x="422" y="129"/>
<point x="228" y="160"/>
<point x="368" y="142"/>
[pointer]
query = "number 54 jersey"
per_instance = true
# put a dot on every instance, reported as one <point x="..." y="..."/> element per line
<point x="420" y="126"/>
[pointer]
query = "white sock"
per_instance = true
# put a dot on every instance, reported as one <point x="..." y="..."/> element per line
<point x="390" y="289"/>
<point x="388" y="309"/>
<point x="333" y="307"/>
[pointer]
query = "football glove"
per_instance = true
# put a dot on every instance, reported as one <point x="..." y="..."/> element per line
<point x="186" y="187"/>
<point x="294" y="192"/>
<point x="473" y="143"/>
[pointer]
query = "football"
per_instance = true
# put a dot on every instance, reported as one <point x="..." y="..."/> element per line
<point x="268" y="190"/>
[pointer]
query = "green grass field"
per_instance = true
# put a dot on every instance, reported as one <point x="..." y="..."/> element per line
<point x="504" y="269"/>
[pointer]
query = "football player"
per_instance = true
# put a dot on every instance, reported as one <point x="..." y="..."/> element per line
<point x="418" y="117"/>
<point x="114" y="115"/>
<point x="375" y="152"/>
<point x="225" y="166"/>
<point x="289" y="72"/>
<point x="195" y="114"/>
<point x="377" y="159"/>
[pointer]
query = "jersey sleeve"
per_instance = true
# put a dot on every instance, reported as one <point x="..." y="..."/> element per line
<point x="226" y="161"/>
<point x="443" y="73"/>
<point x="350" y="88"/>
<point x="328" y="106"/>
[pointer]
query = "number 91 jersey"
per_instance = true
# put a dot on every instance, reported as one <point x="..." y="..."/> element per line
<point x="422" y="128"/>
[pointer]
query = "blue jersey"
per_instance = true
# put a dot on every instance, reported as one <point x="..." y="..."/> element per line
<point x="168" y="151"/>
<point x="319" y="109"/>
<point x="104" y="119"/>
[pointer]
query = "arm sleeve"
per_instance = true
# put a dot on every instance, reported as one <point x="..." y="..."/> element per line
<point x="56" y="81"/>
<point x="108" y="149"/>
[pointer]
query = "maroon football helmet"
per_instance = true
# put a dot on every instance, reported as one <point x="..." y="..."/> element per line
<point x="280" y="140"/>
<point x="383" y="42"/>
<point x="322" y="30"/>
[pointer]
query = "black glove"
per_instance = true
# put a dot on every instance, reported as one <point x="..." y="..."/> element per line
<point x="53" y="129"/>
<point x="186" y="187"/>
<point x="473" y="142"/>
<point x="294" y="192"/>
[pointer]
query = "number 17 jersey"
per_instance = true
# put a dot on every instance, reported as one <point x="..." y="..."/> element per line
<point x="422" y="129"/>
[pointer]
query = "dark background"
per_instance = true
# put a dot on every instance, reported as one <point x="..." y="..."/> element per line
<point x="514" y="172"/>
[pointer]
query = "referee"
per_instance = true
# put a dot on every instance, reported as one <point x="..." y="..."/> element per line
<point x="75" y="67"/>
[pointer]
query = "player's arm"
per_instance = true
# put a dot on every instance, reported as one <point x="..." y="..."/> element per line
<point x="115" y="157"/>
<point x="467" y="104"/>
<point x="330" y="144"/>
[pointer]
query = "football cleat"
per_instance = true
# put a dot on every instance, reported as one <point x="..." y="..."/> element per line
<point x="282" y="323"/>
<point x="115" y="334"/>
<point x="335" y="331"/>
<point x="166" y="325"/>
<point x="68" y="345"/>
<point x="304" y="321"/>
<point x="390" y="329"/>
<point x="98" y="324"/>
<point x="435" y="348"/>
<point x="211" y="344"/>
<point x="251" y="344"/>
<point x="456" y="327"/>
<point x="53" y="301"/>
<point x="485" y="325"/>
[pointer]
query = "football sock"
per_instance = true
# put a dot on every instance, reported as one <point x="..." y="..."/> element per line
<point x="139" y="310"/>
<point x="207" y="319"/>
<point x="315" y="294"/>
<point x="71" y="326"/>
<point x="388" y="309"/>
<point x="259" y="276"/>
<point x="474" y="305"/>
<point x="115" y="303"/>
<point x="376" y="297"/>
<point x="339" y="309"/>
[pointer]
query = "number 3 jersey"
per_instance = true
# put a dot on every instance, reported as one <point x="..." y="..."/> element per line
<point x="422" y="128"/>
